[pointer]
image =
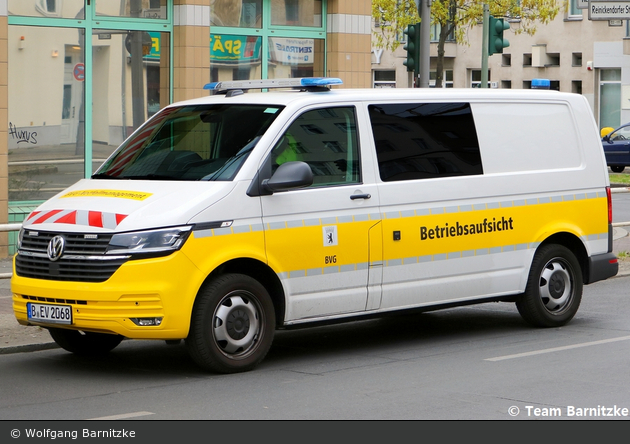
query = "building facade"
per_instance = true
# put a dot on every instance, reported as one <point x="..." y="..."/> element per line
<point x="576" y="54"/>
<point x="78" y="76"/>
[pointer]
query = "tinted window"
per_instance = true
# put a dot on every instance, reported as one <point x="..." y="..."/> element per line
<point x="425" y="140"/>
<point x="326" y="139"/>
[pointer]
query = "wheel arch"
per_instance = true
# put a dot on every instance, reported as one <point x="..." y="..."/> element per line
<point x="573" y="243"/>
<point x="263" y="274"/>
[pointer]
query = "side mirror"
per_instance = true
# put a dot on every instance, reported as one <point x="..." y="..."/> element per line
<point x="288" y="176"/>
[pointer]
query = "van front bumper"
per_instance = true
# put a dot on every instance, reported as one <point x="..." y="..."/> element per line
<point x="162" y="287"/>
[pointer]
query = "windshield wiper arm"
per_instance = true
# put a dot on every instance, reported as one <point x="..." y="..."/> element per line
<point x="151" y="177"/>
<point x="103" y="176"/>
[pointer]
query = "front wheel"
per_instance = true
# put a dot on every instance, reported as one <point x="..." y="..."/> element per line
<point x="84" y="343"/>
<point x="554" y="288"/>
<point x="617" y="169"/>
<point x="232" y="325"/>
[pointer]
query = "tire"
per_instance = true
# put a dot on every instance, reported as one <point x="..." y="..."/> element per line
<point x="84" y="343"/>
<point x="617" y="169"/>
<point x="554" y="288"/>
<point x="232" y="325"/>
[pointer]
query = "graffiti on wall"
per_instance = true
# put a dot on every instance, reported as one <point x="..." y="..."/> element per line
<point x="22" y="136"/>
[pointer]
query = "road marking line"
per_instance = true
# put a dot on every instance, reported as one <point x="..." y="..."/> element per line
<point x="555" y="349"/>
<point x="123" y="416"/>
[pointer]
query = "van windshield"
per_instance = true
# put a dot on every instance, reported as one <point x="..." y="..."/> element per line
<point x="197" y="142"/>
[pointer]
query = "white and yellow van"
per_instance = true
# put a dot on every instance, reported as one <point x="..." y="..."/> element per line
<point x="225" y="218"/>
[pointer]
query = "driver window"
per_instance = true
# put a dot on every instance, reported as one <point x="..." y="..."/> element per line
<point x="621" y="134"/>
<point x="326" y="139"/>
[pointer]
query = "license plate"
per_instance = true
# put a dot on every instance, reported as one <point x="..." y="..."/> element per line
<point x="49" y="314"/>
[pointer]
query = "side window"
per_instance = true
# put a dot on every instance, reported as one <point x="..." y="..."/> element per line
<point x="425" y="140"/>
<point x="326" y="139"/>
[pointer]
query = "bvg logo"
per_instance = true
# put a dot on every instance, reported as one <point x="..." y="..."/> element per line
<point x="56" y="247"/>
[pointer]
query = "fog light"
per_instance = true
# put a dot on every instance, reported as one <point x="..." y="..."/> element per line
<point x="143" y="322"/>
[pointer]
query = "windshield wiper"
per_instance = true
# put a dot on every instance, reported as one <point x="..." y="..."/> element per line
<point x="151" y="177"/>
<point x="103" y="176"/>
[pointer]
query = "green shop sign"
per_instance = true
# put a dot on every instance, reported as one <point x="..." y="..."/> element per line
<point x="234" y="48"/>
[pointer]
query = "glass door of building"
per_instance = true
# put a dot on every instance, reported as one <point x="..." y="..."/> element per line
<point x="83" y="74"/>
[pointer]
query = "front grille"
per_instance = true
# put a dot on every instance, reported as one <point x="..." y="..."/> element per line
<point x="83" y="259"/>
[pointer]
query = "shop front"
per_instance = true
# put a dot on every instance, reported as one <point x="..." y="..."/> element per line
<point x="82" y="75"/>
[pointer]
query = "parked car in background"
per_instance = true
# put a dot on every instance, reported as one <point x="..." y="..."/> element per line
<point x="617" y="148"/>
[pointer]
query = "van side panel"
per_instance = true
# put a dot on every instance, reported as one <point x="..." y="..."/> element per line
<point x="474" y="236"/>
<point x="457" y="250"/>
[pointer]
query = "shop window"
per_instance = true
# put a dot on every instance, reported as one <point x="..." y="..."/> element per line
<point x="234" y="57"/>
<point x="236" y="13"/>
<point x="148" y="9"/>
<point x="297" y="13"/>
<point x="295" y="57"/>
<point x="46" y="8"/>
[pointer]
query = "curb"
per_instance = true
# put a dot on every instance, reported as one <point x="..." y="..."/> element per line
<point x="27" y="348"/>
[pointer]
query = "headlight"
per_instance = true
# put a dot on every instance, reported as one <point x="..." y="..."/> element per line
<point x="162" y="241"/>
<point x="20" y="238"/>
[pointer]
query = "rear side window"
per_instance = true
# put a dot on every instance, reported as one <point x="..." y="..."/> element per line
<point x="425" y="140"/>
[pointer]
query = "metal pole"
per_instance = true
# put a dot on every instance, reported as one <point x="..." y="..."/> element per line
<point x="424" y="10"/>
<point x="484" y="47"/>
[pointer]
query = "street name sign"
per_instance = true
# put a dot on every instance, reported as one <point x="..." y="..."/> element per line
<point x="608" y="10"/>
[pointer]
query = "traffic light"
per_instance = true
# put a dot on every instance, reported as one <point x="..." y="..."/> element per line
<point x="412" y="62"/>
<point x="496" y="42"/>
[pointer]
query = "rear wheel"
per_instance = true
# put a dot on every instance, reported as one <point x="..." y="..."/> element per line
<point x="554" y="288"/>
<point x="232" y="325"/>
<point x="84" y="343"/>
<point x="617" y="169"/>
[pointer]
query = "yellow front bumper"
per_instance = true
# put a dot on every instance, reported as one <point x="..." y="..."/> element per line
<point x="160" y="287"/>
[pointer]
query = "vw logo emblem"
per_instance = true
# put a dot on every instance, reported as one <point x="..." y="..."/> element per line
<point x="55" y="247"/>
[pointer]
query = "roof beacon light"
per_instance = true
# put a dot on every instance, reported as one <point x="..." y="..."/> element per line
<point x="541" y="84"/>
<point x="301" y="83"/>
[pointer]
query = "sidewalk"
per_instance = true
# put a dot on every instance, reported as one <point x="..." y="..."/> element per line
<point x="15" y="338"/>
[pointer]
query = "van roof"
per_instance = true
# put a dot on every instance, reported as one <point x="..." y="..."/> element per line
<point x="324" y="95"/>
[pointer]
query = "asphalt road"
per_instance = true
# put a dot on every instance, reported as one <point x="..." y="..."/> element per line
<point x="473" y="363"/>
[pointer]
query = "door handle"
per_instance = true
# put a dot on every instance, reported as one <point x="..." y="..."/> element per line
<point x="360" y="196"/>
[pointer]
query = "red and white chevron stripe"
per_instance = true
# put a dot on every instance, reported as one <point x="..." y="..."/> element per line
<point x="76" y="217"/>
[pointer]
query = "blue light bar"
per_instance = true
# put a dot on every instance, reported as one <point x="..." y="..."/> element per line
<point x="298" y="82"/>
<point x="321" y="81"/>
<point x="541" y="84"/>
